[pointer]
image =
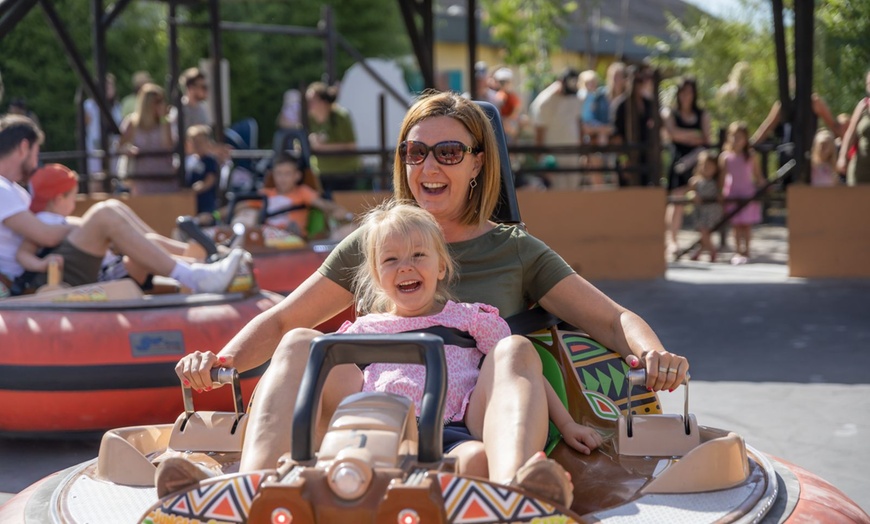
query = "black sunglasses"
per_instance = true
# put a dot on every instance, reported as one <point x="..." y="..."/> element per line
<point x="447" y="153"/>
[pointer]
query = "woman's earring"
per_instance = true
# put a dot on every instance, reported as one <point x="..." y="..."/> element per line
<point x="472" y="184"/>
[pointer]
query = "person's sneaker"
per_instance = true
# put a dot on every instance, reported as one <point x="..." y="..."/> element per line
<point x="216" y="278"/>
<point x="176" y="474"/>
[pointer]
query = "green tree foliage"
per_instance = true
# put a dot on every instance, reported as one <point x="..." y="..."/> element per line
<point x="262" y="66"/>
<point x="528" y="31"/>
<point x="709" y="48"/>
<point x="843" y="51"/>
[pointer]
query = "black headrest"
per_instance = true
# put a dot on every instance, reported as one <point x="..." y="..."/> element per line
<point x="507" y="210"/>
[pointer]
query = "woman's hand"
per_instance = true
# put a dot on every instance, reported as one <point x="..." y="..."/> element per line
<point x="664" y="370"/>
<point x="194" y="370"/>
<point x="48" y="260"/>
<point x="582" y="438"/>
<point x="842" y="163"/>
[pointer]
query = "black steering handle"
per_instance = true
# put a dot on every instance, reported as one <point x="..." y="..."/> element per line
<point x="328" y="351"/>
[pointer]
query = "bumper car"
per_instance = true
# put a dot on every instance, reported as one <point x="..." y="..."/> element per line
<point x="378" y="464"/>
<point x="282" y="260"/>
<point x="99" y="356"/>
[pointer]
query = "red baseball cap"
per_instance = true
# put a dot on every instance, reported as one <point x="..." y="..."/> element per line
<point x="48" y="182"/>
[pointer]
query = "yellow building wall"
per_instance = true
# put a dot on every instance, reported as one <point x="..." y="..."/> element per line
<point x="454" y="57"/>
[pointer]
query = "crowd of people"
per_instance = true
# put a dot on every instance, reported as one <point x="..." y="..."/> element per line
<point x="576" y="109"/>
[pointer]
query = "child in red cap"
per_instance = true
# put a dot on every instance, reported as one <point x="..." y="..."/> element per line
<point x="53" y="189"/>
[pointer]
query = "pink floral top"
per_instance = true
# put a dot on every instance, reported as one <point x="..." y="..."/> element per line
<point x="481" y="321"/>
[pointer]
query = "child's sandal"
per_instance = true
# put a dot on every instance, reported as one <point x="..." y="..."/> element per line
<point x="547" y="479"/>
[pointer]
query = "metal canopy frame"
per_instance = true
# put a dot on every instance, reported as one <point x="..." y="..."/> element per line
<point x="418" y="16"/>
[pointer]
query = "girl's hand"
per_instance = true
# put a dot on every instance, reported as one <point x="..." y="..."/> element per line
<point x="194" y="370"/>
<point x="582" y="438"/>
<point x="664" y="370"/>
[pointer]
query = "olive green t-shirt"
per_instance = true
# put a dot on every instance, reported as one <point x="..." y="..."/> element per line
<point x="506" y="268"/>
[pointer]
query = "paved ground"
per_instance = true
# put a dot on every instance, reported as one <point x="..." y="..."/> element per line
<point x="781" y="361"/>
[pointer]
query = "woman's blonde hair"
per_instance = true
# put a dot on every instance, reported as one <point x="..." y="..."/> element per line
<point x="404" y="218"/>
<point x="143" y="117"/>
<point x="431" y="104"/>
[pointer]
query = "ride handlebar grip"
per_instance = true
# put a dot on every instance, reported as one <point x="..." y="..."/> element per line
<point x="637" y="377"/>
<point x="221" y="376"/>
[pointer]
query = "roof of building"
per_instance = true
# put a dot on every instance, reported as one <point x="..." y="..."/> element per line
<point x="610" y="27"/>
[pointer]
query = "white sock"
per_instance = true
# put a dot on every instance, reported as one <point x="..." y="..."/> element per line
<point x="181" y="272"/>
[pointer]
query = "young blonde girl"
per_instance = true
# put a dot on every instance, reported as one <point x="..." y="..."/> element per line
<point x="824" y="160"/>
<point x="403" y="285"/>
<point x="742" y="177"/>
<point x="708" y="209"/>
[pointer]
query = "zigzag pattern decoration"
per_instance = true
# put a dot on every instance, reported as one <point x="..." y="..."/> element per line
<point x="604" y="371"/>
<point x="225" y="501"/>
<point x="469" y="501"/>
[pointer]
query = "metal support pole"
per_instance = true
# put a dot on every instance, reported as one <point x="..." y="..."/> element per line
<point x="12" y="12"/>
<point x="386" y="166"/>
<point x="99" y="41"/>
<point x="78" y="64"/>
<point x="781" y="61"/>
<point x="421" y="43"/>
<point x="175" y="93"/>
<point x="471" y="19"/>
<point x="217" y="81"/>
<point x="804" y="123"/>
<point x="329" y="45"/>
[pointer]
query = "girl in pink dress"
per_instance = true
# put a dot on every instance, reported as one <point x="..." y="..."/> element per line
<point x="742" y="178"/>
<point x="403" y="286"/>
<point x="824" y="160"/>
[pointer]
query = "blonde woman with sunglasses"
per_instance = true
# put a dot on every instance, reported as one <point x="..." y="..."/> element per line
<point x="447" y="162"/>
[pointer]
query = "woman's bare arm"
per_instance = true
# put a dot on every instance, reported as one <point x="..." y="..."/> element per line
<point x="578" y="302"/>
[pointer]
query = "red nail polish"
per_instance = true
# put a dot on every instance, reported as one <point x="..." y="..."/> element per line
<point x="208" y="388"/>
<point x="185" y="382"/>
<point x="670" y="390"/>
<point x="222" y="359"/>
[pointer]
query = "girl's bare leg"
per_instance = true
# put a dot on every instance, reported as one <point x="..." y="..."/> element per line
<point x="707" y="242"/>
<point x="470" y="459"/>
<point x="508" y="408"/>
<point x="270" y="418"/>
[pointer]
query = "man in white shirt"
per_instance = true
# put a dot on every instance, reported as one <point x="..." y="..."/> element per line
<point x="83" y="242"/>
<point x="556" y="113"/>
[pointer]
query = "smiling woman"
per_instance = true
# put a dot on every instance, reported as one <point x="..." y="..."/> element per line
<point x="501" y="265"/>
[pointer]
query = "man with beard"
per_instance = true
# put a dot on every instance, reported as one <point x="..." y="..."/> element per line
<point x="556" y="113"/>
<point x="83" y="242"/>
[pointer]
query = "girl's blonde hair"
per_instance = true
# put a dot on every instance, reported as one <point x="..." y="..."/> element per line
<point x="824" y="148"/>
<point x="733" y="129"/>
<point x="481" y="203"/>
<point x="402" y="218"/>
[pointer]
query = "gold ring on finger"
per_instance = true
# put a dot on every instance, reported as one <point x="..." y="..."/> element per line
<point x="672" y="370"/>
<point x="663" y="369"/>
